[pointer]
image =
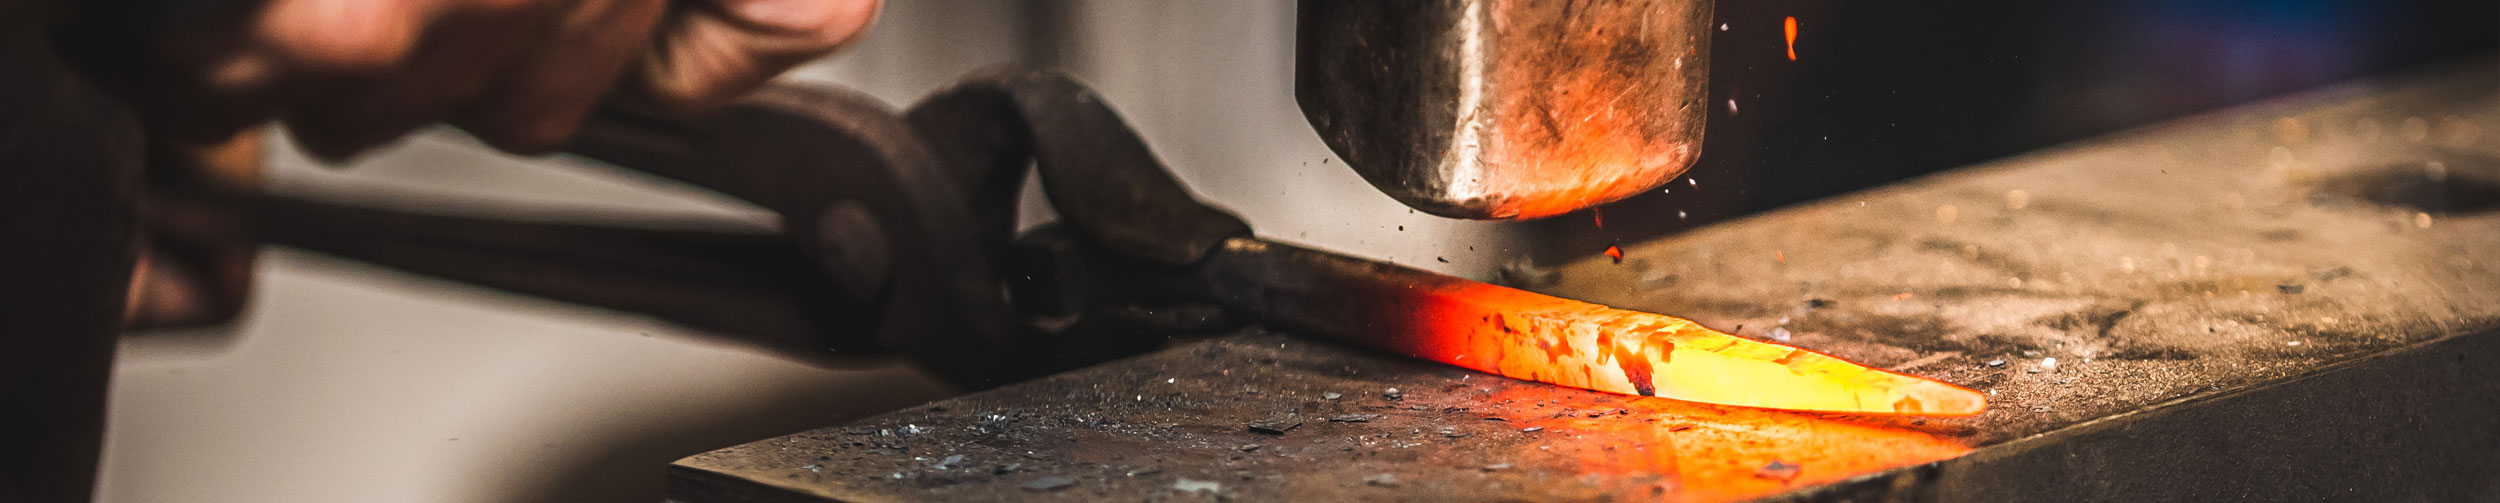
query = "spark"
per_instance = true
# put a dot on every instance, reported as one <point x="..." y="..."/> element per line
<point x="1792" y="38"/>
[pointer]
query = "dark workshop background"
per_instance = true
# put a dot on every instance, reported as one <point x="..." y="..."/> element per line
<point x="1883" y="91"/>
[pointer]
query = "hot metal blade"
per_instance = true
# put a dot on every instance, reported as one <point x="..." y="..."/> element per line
<point x="1526" y="335"/>
<point x="1541" y="338"/>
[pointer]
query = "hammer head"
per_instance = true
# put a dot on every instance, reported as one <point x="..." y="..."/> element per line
<point x="1507" y="109"/>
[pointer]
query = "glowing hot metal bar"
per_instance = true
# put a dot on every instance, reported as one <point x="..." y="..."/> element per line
<point x="1536" y="337"/>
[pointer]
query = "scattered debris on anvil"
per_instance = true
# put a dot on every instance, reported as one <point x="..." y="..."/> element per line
<point x="1273" y="433"/>
<point x="1049" y="483"/>
<point x="1197" y="486"/>
<point x="1276" y="425"/>
<point x="2331" y="273"/>
<point x="1778" y="470"/>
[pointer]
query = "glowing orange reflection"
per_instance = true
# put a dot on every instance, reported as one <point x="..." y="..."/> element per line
<point x="1704" y="452"/>
<point x="1542" y="338"/>
<point x="1587" y="109"/>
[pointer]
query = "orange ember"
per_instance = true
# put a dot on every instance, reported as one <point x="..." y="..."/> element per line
<point x="1541" y="338"/>
<point x="1615" y="252"/>
<point x="1792" y="38"/>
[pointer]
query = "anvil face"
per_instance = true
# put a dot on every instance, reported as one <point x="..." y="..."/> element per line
<point x="2299" y="300"/>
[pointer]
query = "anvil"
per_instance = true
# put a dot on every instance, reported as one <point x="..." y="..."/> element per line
<point x="2293" y="300"/>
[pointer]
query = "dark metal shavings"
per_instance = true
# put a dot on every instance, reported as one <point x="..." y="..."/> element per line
<point x="1049" y="483"/>
<point x="1382" y="480"/>
<point x="1276" y="425"/>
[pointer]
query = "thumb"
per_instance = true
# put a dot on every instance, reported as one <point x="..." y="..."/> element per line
<point x="712" y="51"/>
<point x="340" y="35"/>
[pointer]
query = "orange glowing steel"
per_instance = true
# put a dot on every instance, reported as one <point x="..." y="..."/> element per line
<point x="1792" y="38"/>
<point x="1536" y="337"/>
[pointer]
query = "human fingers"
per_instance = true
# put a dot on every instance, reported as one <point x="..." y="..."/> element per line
<point x="465" y="47"/>
<point x="712" y="51"/>
<point x="537" y="108"/>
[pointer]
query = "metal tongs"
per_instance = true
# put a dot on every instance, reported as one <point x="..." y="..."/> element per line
<point x="898" y="235"/>
<point x="897" y="229"/>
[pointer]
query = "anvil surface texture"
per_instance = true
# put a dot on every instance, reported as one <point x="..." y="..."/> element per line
<point x="2293" y="300"/>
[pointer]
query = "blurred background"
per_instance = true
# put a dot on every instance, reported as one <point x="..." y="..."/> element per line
<point x="349" y="382"/>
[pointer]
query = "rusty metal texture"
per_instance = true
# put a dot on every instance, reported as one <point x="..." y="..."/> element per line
<point x="1491" y="109"/>
<point x="2292" y="300"/>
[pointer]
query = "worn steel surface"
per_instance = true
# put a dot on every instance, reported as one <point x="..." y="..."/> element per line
<point x="2296" y="300"/>
<point x="1494" y="109"/>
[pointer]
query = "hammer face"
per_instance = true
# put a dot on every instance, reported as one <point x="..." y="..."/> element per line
<point x="1494" y="109"/>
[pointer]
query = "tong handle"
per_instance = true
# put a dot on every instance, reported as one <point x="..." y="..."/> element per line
<point x="754" y="287"/>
